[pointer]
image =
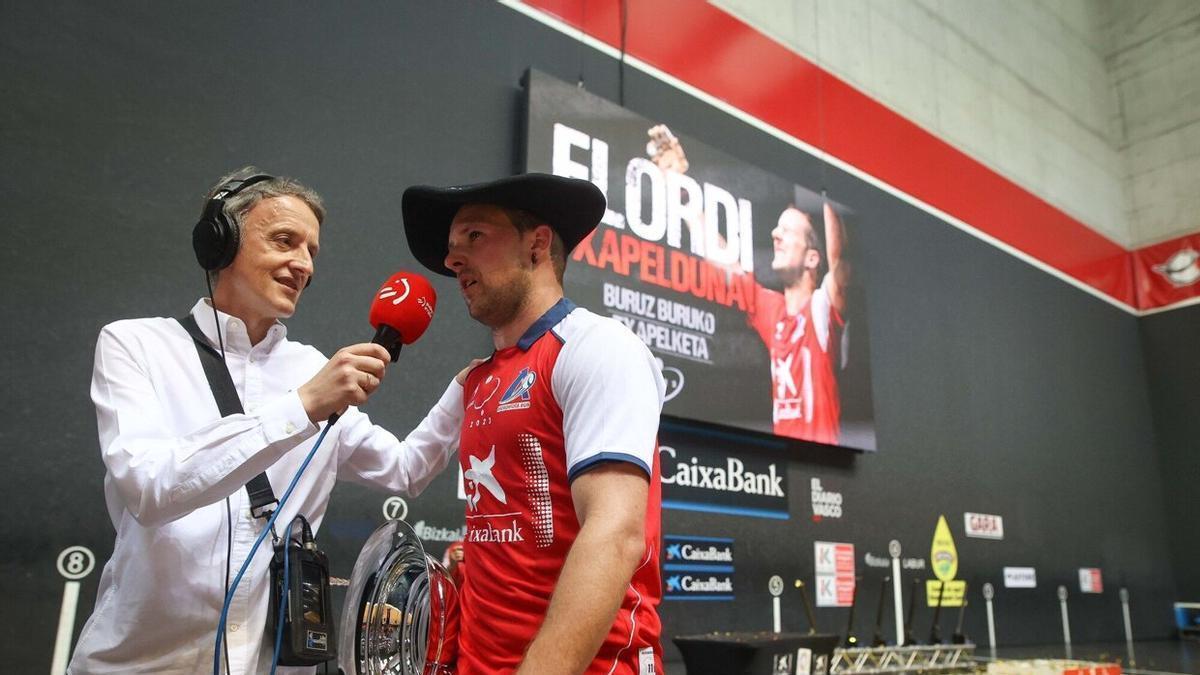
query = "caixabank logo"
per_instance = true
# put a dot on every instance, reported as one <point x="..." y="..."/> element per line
<point x="699" y="479"/>
<point x="697" y="568"/>
<point x="699" y="586"/>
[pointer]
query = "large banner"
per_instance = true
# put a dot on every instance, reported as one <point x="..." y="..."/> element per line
<point x="738" y="280"/>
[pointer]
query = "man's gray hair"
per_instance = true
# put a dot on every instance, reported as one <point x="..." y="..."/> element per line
<point x="240" y="204"/>
<point x="237" y="206"/>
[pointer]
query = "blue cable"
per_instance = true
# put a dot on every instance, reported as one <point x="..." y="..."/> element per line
<point x="283" y="594"/>
<point x="254" y="549"/>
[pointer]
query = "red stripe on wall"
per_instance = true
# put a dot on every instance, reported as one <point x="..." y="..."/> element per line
<point x="716" y="53"/>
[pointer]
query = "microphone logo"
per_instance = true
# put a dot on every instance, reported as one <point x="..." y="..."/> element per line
<point x="388" y="291"/>
<point x="402" y="309"/>
<point x="424" y="305"/>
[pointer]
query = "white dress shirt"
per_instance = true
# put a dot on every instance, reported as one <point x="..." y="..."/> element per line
<point x="171" y="460"/>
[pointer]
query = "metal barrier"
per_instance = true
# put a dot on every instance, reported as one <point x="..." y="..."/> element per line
<point x="929" y="658"/>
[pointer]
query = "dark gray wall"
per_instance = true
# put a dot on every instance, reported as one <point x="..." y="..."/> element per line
<point x="998" y="388"/>
<point x="1173" y="366"/>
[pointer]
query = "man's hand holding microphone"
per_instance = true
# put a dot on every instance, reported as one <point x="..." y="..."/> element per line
<point x="349" y="378"/>
<point x="400" y="312"/>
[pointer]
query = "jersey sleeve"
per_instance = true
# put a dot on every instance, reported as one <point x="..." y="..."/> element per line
<point x="373" y="456"/>
<point x="611" y="393"/>
<point x="825" y="317"/>
<point x="821" y="309"/>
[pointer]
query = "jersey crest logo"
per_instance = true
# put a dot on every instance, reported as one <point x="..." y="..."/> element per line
<point x="516" y="397"/>
<point x="484" y="391"/>
<point x="480" y="475"/>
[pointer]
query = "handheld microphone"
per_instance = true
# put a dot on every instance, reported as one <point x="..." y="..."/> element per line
<point x="401" y="311"/>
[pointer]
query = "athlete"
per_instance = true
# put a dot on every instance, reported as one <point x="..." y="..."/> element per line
<point x="558" y="445"/>
<point x="802" y="326"/>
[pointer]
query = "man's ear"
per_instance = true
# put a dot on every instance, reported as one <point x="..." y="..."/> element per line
<point x="539" y="245"/>
<point x="812" y="259"/>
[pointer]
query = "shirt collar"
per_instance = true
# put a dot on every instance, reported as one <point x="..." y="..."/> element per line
<point x="547" y="321"/>
<point x="233" y="329"/>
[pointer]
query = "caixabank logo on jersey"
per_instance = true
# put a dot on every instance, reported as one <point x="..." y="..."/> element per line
<point x="698" y="478"/>
<point x="697" y="568"/>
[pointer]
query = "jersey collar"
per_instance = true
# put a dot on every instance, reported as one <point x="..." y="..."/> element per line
<point x="547" y="321"/>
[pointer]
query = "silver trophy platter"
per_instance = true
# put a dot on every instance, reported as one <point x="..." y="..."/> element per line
<point x="401" y="611"/>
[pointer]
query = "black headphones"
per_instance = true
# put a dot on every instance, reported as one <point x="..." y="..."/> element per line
<point x="215" y="237"/>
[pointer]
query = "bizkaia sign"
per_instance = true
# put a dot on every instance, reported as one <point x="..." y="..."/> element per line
<point x="983" y="525"/>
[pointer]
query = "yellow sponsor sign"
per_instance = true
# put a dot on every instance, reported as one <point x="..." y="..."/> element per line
<point x="943" y="556"/>
<point x="953" y="597"/>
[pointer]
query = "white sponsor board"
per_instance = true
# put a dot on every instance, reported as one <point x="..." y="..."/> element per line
<point x="1020" y="577"/>
<point x="983" y="525"/>
<point x="834" y="573"/>
<point x="1090" y="580"/>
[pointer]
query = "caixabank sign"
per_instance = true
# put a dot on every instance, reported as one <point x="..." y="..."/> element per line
<point x="698" y="475"/>
<point x="697" y="568"/>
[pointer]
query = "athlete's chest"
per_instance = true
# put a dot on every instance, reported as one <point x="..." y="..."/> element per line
<point x="510" y="393"/>
<point x="512" y="424"/>
<point x="511" y="451"/>
<point x="790" y="332"/>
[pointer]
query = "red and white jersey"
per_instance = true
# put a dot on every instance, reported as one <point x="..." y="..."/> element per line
<point x="578" y="389"/>
<point x="804" y="349"/>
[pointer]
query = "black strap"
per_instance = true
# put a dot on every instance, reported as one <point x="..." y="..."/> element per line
<point x="221" y="383"/>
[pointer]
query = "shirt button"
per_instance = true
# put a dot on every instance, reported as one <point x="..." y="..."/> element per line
<point x="290" y="428"/>
<point x="233" y="628"/>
